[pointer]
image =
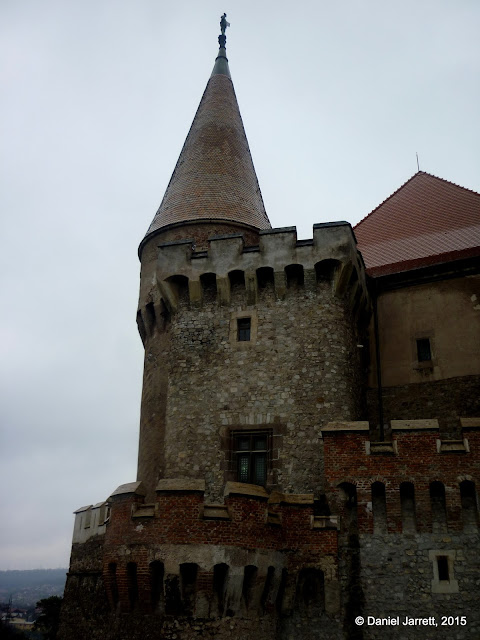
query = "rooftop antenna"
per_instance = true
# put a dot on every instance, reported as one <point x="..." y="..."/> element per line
<point x="418" y="165"/>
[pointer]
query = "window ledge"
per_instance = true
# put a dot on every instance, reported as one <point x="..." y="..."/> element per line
<point x="244" y="489"/>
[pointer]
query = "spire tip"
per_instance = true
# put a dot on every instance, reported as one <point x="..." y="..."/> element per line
<point x="222" y="39"/>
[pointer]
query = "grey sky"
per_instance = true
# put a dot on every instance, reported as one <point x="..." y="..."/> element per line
<point x="97" y="98"/>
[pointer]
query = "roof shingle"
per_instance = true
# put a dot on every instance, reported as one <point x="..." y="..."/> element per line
<point x="214" y="177"/>
<point x="426" y="221"/>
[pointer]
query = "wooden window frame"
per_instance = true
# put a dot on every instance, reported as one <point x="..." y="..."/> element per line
<point x="252" y="452"/>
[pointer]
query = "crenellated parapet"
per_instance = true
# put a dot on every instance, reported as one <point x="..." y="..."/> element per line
<point x="183" y="274"/>
<point x="416" y="481"/>
<point x="255" y="553"/>
<point x="90" y="521"/>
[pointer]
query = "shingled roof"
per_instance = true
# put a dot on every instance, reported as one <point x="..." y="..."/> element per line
<point x="427" y="221"/>
<point x="214" y="177"/>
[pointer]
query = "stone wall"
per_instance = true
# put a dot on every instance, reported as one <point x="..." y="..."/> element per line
<point x="300" y="369"/>
<point x="301" y="372"/>
<point x="397" y="573"/>
<point x="445" y="400"/>
<point x="447" y="313"/>
<point x="404" y="503"/>
<point x="183" y="568"/>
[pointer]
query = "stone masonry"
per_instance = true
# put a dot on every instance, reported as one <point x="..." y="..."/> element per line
<point x="283" y="490"/>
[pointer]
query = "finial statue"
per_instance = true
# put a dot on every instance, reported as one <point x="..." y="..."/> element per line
<point x="223" y="23"/>
<point x="222" y="39"/>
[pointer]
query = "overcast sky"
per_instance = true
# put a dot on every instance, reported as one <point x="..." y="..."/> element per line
<point x="97" y="98"/>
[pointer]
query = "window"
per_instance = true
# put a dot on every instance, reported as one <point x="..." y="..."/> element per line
<point x="424" y="351"/>
<point x="443" y="561"/>
<point x="442" y="564"/>
<point x="243" y="329"/>
<point x="251" y="453"/>
<point x="242" y="332"/>
<point x="132" y="584"/>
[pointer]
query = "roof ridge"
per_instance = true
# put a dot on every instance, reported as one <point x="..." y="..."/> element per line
<point x="454" y="184"/>
<point x="388" y="198"/>
<point x="418" y="173"/>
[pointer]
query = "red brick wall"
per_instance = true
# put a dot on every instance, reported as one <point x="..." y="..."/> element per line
<point x="417" y="462"/>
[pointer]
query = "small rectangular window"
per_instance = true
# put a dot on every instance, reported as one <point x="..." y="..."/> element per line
<point x="251" y="456"/>
<point x="424" y="352"/>
<point x="442" y="564"/>
<point x="243" y="329"/>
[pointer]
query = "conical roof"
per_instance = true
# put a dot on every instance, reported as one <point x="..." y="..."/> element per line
<point x="214" y="178"/>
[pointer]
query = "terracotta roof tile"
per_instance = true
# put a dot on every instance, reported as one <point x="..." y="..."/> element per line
<point x="426" y="221"/>
<point x="214" y="177"/>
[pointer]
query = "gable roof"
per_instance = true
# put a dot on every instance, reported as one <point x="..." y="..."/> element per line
<point x="427" y="221"/>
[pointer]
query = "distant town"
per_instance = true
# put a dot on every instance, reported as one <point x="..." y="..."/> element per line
<point x="20" y="591"/>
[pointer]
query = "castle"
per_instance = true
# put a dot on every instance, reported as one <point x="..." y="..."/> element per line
<point x="309" y="451"/>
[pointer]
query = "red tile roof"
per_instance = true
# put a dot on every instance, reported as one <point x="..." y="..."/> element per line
<point x="214" y="177"/>
<point x="426" y="221"/>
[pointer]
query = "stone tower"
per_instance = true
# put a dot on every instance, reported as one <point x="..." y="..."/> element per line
<point x="261" y="499"/>
<point x="212" y="268"/>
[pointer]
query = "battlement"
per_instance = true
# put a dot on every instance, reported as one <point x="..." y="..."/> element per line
<point x="249" y="516"/>
<point x="182" y="556"/>
<point x="90" y="521"/>
<point x="183" y="274"/>
<point x="417" y="481"/>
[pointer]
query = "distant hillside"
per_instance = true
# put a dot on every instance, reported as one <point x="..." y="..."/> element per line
<point x="27" y="587"/>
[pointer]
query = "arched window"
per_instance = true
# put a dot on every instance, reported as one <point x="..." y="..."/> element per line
<point x="349" y="507"/>
<point x="310" y="590"/>
<point x="281" y="591"/>
<point x="188" y="582"/>
<point x="294" y="275"/>
<point x="265" y="277"/>
<point x="180" y="287"/>
<point x="325" y="270"/>
<point x="407" y="502"/>
<point x="267" y="589"/>
<point x="379" y="508"/>
<point x="220" y="575"/>
<point x="132" y="584"/>
<point x="156" y="585"/>
<point x="468" y="497"/>
<point x="249" y="581"/>
<point x="208" y="282"/>
<point x="439" y="507"/>
<point x="112" y="577"/>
